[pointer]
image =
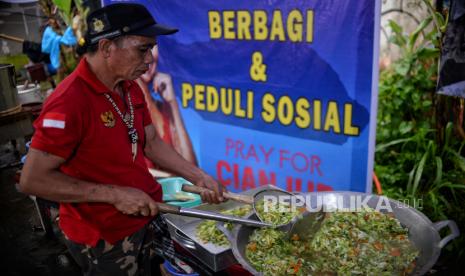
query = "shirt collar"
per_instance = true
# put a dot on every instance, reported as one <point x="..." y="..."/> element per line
<point x="91" y="79"/>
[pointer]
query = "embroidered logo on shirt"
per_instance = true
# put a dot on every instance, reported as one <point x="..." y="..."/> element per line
<point x="108" y="119"/>
<point x="54" y="120"/>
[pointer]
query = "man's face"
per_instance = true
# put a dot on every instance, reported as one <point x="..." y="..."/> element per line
<point x="131" y="56"/>
<point x="148" y="76"/>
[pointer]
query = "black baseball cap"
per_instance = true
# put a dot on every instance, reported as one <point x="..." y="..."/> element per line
<point x="123" y="19"/>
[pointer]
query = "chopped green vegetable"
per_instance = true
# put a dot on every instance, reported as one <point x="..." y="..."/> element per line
<point x="276" y="213"/>
<point x="270" y="252"/>
<point x="358" y="243"/>
<point x="208" y="232"/>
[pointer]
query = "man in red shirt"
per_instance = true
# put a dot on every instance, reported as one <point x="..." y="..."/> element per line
<point x="88" y="149"/>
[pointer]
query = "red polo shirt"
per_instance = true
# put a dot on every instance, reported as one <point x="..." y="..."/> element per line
<point x="80" y="125"/>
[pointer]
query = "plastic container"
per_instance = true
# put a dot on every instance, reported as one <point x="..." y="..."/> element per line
<point x="173" y="185"/>
<point x="171" y="270"/>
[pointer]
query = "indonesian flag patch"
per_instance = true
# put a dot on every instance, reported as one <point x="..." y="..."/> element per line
<point x="54" y="120"/>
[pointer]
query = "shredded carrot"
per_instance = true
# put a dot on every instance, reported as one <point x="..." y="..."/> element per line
<point x="252" y="247"/>
<point x="395" y="252"/>
<point x="379" y="246"/>
<point x="296" y="267"/>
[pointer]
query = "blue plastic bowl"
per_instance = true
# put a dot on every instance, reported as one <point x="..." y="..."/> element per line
<point x="171" y="270"/>
<point x="173" y="185"/>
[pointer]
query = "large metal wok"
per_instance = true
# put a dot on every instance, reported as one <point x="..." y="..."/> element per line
<point x="422" y="232"/>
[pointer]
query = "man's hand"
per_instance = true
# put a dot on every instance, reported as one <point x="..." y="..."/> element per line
<point x="214" y="194"/>
<point x="163" y="84"/>
<point x="132" y="201"/>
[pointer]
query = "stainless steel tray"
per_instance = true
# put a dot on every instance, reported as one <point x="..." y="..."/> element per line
<point x="183" y="231"/>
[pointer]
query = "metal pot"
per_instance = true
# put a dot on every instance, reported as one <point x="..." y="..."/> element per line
<point x="30" y="94"/>
<point x="422" y="232"/>
<point x="8" y="99"/>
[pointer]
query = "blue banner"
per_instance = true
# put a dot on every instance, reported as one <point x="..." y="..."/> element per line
<point x="276" y="92"/>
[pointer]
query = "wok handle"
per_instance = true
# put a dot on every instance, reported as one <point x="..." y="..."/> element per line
<point x="454" y="231"/>
<point x="233" y="196"/>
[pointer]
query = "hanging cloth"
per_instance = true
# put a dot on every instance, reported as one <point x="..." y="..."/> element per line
<point x="51" y="43"/>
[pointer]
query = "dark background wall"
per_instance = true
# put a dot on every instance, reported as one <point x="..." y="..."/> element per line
<point x="19" y="20"/>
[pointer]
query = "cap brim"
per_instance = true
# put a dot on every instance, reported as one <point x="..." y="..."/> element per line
<point x="154" y="30"/>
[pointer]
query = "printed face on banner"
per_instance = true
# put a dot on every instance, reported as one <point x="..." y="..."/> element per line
<point x="276" y="92"/>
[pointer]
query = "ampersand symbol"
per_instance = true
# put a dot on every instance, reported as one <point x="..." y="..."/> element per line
<point x="257" y="70"/>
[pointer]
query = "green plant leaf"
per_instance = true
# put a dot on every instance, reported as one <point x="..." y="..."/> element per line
<point x="410" y="180"/>
<point x="461" y="147"/>
<point x="448" y="134"/>
<point x="414" y="36"/>
<point x="392" y="143"/>
<point x="64" y="5"/>
<point x="402" y="68"/>
<point x="426" y="103"/>
<point x="396" y="28"/>
<point x="438" y="178"/>
<point x="459" y="160"/>
<point x="405" y="127"/>
<point x="455" y="186"/>
<point x="440" y="18"/>
<point x="444" y="200"/>
<point x="427" y="53"/>
<point x="434" y="200"/>
<point x="397" y="37"/>
<point x="419" y="171"/>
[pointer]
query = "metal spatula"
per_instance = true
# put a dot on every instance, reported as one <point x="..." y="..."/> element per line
<point x="171" y="209"/>
<point x="276" y="195"/>
<point x="304" y="225"/>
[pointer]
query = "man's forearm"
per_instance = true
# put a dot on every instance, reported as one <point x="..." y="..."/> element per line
<point x="56" y="186"/>
<point x="41" y="177"/>
<point x="166" y="157"/>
